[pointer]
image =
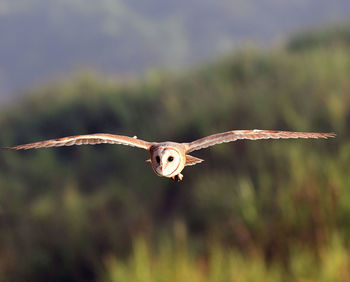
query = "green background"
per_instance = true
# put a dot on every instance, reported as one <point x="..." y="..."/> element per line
<point x="269" y="210"/>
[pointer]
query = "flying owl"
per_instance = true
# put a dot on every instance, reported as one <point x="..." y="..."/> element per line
<point x="168" y="159"/>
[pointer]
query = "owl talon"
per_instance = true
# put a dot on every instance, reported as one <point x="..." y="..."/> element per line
<point x="178" y="178"/>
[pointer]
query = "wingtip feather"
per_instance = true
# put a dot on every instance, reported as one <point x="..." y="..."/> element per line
<point x="331" y="135"/>
<point x="12" y="148"/>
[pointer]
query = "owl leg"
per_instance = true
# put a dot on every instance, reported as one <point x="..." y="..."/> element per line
<point x="177" y="178"/>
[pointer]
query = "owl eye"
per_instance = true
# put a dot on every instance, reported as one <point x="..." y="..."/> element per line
<point x="170" y="159"/>
<point x="158" y="159"/>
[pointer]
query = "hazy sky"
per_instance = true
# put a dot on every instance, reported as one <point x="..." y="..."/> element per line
<point x="42" y="39"/>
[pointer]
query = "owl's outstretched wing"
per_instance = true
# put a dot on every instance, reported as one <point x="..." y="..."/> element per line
<point x="92" y="139"/>
<point x="234" y="135"/>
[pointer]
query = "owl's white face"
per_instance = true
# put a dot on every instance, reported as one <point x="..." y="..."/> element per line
<point x="167" y="161"/>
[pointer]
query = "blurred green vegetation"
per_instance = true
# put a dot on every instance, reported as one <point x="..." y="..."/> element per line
<point x="253" y="211"/>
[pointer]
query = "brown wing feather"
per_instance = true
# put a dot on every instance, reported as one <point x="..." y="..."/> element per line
<point x="191" y="160"/>
<point x="86" y="139"/>
<point x="234" y="135"/>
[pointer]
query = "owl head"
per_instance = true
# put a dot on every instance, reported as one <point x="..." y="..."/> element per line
<point x="169" y="158"/>
<point x="167" y="161"/>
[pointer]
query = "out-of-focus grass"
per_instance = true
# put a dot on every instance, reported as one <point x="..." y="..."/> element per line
<point x="178" y="264"/>
<point x="253" y="211"/>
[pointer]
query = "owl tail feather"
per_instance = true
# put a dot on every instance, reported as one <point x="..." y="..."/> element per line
<point x="190" y="160"/>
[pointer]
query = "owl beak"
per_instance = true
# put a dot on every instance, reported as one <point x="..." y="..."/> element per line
<point x="161" y="168"/>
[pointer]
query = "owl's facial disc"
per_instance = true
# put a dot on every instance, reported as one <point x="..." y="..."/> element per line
<point x="166" y="161"/>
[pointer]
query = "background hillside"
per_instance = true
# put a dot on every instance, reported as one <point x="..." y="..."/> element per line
<point x="41" y="39"/>
<point x="253" y="211"/>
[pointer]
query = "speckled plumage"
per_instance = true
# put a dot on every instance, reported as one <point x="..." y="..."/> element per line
<point x="169" y="158"/>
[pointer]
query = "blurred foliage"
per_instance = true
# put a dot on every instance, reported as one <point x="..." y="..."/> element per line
<point x="131" y="36"/>
<point x="255" y="211"/>
<point x="335" y="35"/>
<point x="177" y="264"/>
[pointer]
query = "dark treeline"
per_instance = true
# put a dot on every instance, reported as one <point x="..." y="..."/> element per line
<point x="77" y="213"/>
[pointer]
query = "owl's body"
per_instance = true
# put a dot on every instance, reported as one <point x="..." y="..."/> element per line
<point x="169" y="158"/>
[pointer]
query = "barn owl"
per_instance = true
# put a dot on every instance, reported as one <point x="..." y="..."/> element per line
<point x="168" y="159"/>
